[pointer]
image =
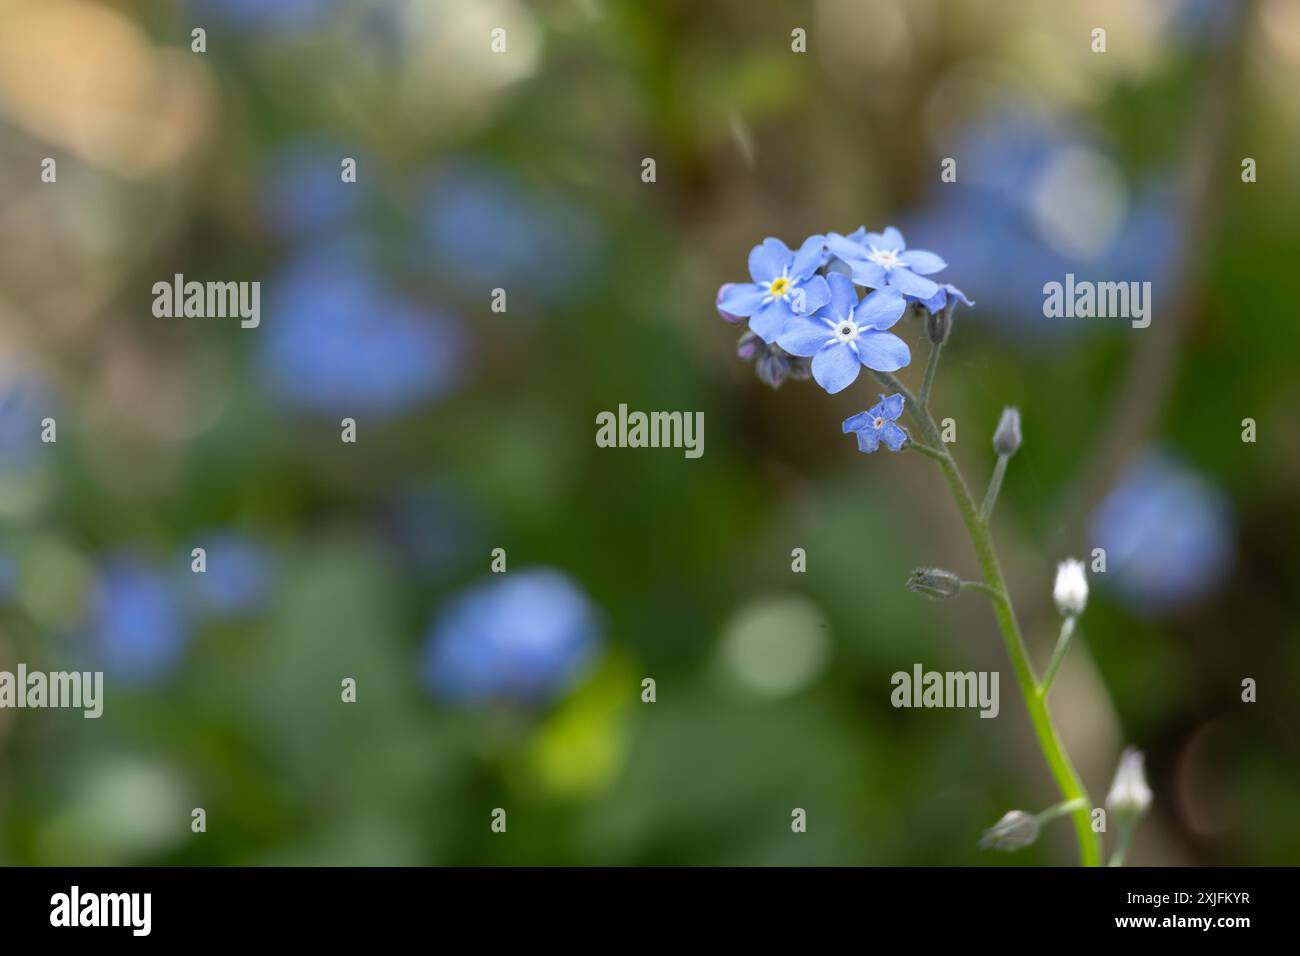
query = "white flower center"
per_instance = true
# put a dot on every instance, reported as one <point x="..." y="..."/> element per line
<point x="884" y="257"/>
<point x="845" y="330"/>
<point x="877" y="422"/>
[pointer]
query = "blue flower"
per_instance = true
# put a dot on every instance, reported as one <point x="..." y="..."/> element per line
<point x="485" y="228"/>
<point x="238" y="578"/>
<point x="785" y="286"/>
<point x="524" y="636"/>
<point x="302" y="191"/>
<point x="337" y="342"/>
<point x="25" y="399"/>
<point x="847" y="334"/>
<point x="880" y="259"/>
<point x="941" y="298"/>
<point x="878" y="424"/>
<point x="137" y="626"/>
<point x="1167" y="534"/>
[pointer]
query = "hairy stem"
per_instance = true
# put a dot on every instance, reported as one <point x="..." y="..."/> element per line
<point x="995" y="487"/>
<point x="1058" y="655"/>
<point x="1049" y="741"/>
<point x="927" y="383"/>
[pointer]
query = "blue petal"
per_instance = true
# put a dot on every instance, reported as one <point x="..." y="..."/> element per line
<point x="815" y="293"/>
<point x="804" y="336"/>
<point x="843" y="296"/>
<point x="891" y="407"/>
<point x="891" y="239"/>
<point x="741" y="298"/>
<point x="766" y="261"/>
<point x="954" y="291"/>
<point x="845" y="247"/>
<point x="810" y="257"/>
<point x="868" y="440"/>
<point x="881" y="309"/>
<point x="882" y="351"/>
<point x="855" y="423"/>
<point x="923" y="263"/>
<point x="870" y="274"/>
<point x="909" y="283"/>
<point x="835" y="368"/>
<point x="893" y="436"/>
<point x="769" y="321"/>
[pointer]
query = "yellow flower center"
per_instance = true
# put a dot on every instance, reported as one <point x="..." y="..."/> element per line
<point x="779" y="288"/>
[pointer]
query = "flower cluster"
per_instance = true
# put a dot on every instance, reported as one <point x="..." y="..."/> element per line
<point x="826" y="310"/>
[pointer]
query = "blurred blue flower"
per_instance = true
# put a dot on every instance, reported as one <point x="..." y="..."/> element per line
<point x="848" y="334"/>
<point x="524" y="636"/>
<point x="277" y="17"/>
<point x="877" y="424"/>
<point x="784" y="286"/>
<point x="336" y="342"/>
<point x="137" y="627"/>
<point x="302" y="191"/>
<point x="1011" y="209"/>
<point x="25" y="399"/>
<point x="486" y="230"/>
<point x="1167" y="534"/>
<point x="239" y="577"/>
<point x="880" y="259"/>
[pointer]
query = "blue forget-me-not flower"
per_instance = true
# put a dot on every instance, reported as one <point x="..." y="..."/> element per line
<point x="785" y="286"/>
<point x="524" y="637"/>
<point x="847" y="334"/>
<point x="880" y="259"/>
<point x="878" y="423"/>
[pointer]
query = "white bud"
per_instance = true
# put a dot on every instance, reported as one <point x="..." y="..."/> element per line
<point x="1129" y="795"/>
<point x="1015" y="830"/>
<point x="1071" y="590"/>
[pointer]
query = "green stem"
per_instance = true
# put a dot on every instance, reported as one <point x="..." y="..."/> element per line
<point x="927" y="383"/>
<point x="1058" y="655"/>
<point x="925" y="450"/>
<point x="1060" y="810"/>
<point x="995" y="486"/>
<point x="1049" y="742"/>
<point x="1124" y="838"/>
<point x="983" y="589"/>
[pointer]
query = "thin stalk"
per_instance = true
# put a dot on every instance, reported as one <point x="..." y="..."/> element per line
<point x="1122" y="842"/>
<point x="1049" y="741"/>
<point x="995" y="486"/>
<point x="927" y="383"/>
<point x="1058" y="655"/>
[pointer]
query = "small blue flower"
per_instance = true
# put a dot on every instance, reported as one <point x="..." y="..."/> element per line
<point x="878" y="424"/>
<point x="137" y="626"/>
<point x="239" y="576"/>
<point x="940" y="298"/>
<point x="880" y="259"/>
<point x="302" y="192"/>
<point x="525" y="636"/>
<point x="1167" y="532"/>
<point x="785" y="286"/>
<point x="338" y="341"/>
<point x="847" y="334"/>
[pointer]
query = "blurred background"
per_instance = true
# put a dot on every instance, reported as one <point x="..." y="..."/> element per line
<point x="475" y="429"/>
